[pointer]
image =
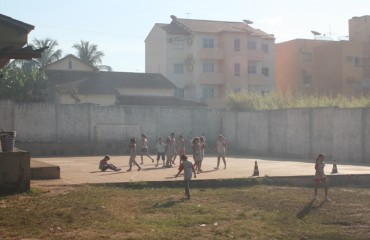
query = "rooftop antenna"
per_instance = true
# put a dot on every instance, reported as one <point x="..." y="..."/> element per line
<point x="315" y="34"/>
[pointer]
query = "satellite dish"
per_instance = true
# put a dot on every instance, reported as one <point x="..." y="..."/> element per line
<point x="246" y="21"/>
<point x="315" y="33"/>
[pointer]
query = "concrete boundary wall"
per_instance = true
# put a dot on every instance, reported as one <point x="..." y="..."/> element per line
<point x="48" y="129"/>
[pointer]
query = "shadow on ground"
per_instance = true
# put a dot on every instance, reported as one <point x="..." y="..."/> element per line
<point x="307" y="209"/>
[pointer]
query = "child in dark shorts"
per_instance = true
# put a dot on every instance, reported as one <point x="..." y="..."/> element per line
<point x="104" y="165"/>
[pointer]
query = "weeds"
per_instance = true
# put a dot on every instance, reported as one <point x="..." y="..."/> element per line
<point x="252" y="212"/>
<point x="254" y="101"/>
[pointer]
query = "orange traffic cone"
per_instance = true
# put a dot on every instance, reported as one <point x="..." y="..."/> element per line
<point x="256" y="172"/>
<point x="335" y="169"/>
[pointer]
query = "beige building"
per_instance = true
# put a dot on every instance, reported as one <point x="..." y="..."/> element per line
<point x="74" y="82"/>
<point x="359" y="29"/>
<point x="325" y="67"/>
<point x="206" y="60"/>
<point x="71" y="63"/>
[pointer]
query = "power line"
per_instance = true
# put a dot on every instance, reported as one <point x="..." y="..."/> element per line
<point x="91" y="31"/>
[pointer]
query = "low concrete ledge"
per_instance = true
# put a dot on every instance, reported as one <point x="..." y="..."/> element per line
<point x="41" y="170"/>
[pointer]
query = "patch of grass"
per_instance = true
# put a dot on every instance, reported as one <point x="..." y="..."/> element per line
<point x="251" y="212"/>
<point x="35" y="191"/>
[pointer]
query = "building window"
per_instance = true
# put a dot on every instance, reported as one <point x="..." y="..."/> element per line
<point x="208" y="67"/>
<point x="208" y="92"/>
<point x="237" y="69"/>
<point x="178" y="68"/>
<point x="265" y="71"/>
<point x="307" y="56"/>
<point x="236" y="45"/>
<point x="357" y="62"/>
<point x="69" y="64"/>
<point x="252" y="45"/>
<point x="208" y="43"/>
<point x="356" y="86"/>
<point x="349" y="59"/>
<point x="265" y="48"/>
<point x="252" y="69"/>
<point x="307" y="80"/>
<point x="180" y="93"/>
<point x="178" y="43"/>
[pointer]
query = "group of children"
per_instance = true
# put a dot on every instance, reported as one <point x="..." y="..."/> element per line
<point x="172" y="147"/>
<point x="168" y="150"/>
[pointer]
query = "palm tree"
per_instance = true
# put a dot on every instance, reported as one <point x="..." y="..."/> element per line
<point x="50" y="55"/>
<point x="90" y="55"/>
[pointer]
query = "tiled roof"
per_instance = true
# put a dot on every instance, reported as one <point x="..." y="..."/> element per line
<point x="156" y="101"/>
<point x="13" y="52"/>
<point x="88" y="82"/>
<point x="69" y="87"/>
<point x="69" y="56"/>
<point x="11" y="22"/>
<point x="209" y="26"/>
<point x="173" y="28"/>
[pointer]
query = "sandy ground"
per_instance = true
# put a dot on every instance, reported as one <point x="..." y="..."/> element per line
<point x="84" y="169"/>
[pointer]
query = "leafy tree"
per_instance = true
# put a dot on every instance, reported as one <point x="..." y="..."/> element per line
<point x="90" y="55"/>
<point x="25" y="80"/>
<point x="23" y="83"/>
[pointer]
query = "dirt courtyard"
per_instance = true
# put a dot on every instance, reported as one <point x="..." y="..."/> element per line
<point x="84" y="169"/>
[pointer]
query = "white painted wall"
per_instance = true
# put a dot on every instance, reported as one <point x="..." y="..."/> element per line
<point x="342" y="134"/>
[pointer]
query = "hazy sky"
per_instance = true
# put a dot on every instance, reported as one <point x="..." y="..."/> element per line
<point x="119" y="27"/>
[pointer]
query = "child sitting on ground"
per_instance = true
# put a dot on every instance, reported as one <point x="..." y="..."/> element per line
<point x="104" y="165"/>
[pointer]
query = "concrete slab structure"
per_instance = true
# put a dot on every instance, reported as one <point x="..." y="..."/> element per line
<point x="14" y="171"/>
<point x="42" y="170"/>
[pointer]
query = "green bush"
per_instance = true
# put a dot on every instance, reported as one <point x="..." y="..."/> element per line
<point x="253" y="101"/>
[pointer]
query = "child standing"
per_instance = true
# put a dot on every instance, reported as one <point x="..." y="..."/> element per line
<point x="180" y="144"/>
<point x="173" y="147"/>
<point x="320" y="176"/>
<point x="221" y="151"/>
<point x="104" y="165"/>
<point x="188" y="168"/>
<point x="132" y="148"/>
<point x="144" y="148"/>
<point x="196" y="153"/>
<point x="202" y="150"/>
<point x="160" y="151"/>
<point x="168" y="152"/>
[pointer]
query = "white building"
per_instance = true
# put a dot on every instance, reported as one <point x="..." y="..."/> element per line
<point x="207" y="60"/>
